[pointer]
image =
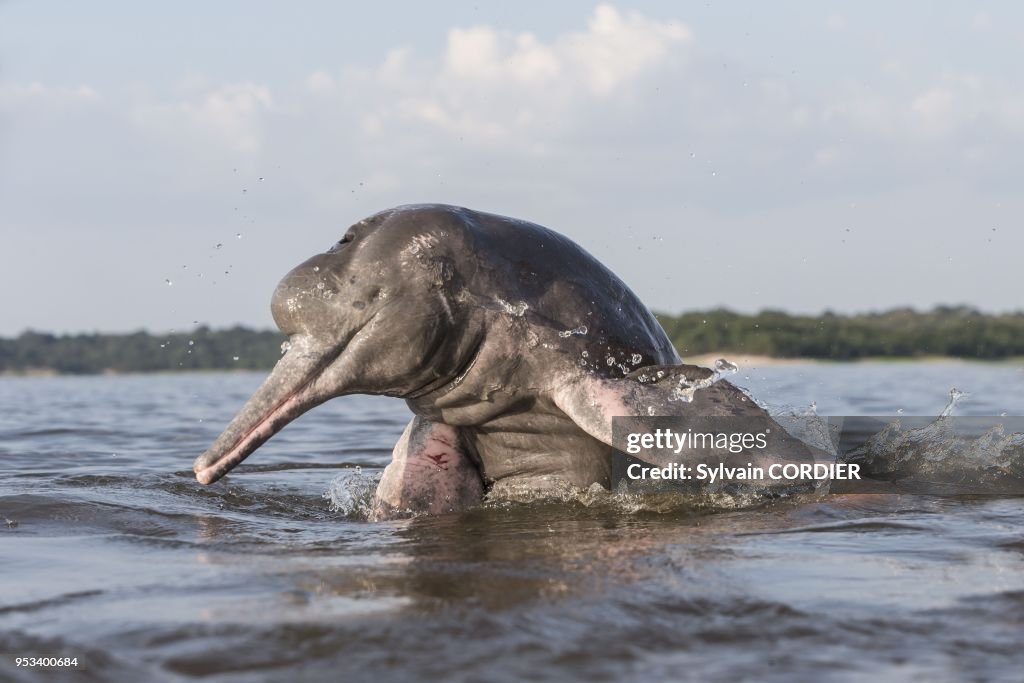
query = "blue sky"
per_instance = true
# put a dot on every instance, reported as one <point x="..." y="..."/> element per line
<point x="800" y="156"/>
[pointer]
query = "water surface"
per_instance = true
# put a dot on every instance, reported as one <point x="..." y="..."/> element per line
<point x="110" y="551"/>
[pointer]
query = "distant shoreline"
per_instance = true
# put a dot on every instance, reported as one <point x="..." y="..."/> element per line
<point x="944" y="334"/>
<point x="744" y="361"/>
<point x="755" y="361"/>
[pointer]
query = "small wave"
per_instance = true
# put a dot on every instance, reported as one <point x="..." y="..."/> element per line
<point x="941" y="456"/>
<point x="351" y="493"/>
<point x="286" y="466"/>
<point x="857" y="525"/>
<point x="77" y="431"/>
<point x="634" y="500"/>
<point x="55" y="601"/>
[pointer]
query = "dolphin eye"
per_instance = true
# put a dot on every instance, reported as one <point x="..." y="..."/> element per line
<point x="340" y="243"/>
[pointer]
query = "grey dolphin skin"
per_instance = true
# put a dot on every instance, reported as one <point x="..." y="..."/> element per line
<point x="512" y="346"/>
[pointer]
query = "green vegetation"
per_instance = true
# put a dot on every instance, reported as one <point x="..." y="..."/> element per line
<point x="902" y="333"/>
<point x="237" y="348"/>
<point x="958" y="332"/>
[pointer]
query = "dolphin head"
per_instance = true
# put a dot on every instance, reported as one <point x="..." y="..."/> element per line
<point x="381" y="312"/>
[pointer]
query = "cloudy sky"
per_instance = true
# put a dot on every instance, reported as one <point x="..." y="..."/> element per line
<point x="792" y="155"/>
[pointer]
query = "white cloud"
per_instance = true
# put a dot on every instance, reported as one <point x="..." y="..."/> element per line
<point x="473" y="53"/>
<point x="499" y="87"/>
<point x="613" y="50"/>
<point x="230" y="116"/>
<point x="617" y="48"/>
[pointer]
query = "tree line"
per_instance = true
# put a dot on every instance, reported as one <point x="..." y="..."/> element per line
<point x="953" y="331"/>
<point x="900" y="333"/>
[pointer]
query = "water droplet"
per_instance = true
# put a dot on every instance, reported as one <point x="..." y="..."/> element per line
<point x="636" y="359"/>
<point x="219" y="245"/>
<point x="955" y="396"/>
<point x="724" y="367"/>
<point x="238" y="235"/>
<point x="316" y="269"/>
<point x="899" y="411"/>
<point x="260" y="179"/>
<point x="168" y="282"/>
<point x="191" y="342"/>
<point x="581" y="330"/>
<point x="234" y="358"/>
<point x="319" y="285"/>
<point x="285" y="346"/>
<point x="516" y="310"/>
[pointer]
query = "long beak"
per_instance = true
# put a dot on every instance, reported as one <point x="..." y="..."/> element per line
<point x="286" y="394"/>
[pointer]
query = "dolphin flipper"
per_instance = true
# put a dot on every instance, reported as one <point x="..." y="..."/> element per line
<point x="430" y="473"/>
<point x="684" y="391"/>
<point x="591" y="401"/>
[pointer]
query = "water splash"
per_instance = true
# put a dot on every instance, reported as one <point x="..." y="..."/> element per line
<point x="937" y="455"/>
<point x="351" y="493"/>
<point x="577" y="331"/>
<point x="516" y="310"/>
<point x="687" y="388"/>
<point x="955" y="396"/>
<point x="627" y="498"/>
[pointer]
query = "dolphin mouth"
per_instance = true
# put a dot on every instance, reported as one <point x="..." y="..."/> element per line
<point x="285" y="395"/>
<point x="209" y="467"/>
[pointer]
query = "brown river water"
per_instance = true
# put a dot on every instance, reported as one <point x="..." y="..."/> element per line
<point x="110" y="552"/>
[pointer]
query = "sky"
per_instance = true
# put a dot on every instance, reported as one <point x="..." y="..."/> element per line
<point x="163" y="165"/>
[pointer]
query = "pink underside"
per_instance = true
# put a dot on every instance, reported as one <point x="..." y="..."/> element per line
<point x="261" y="432"/>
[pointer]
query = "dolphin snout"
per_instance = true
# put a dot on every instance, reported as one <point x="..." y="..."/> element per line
<point x="284" y="395"/>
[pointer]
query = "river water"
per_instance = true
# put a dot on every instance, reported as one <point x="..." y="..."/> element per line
<point x="112" y="553"/>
